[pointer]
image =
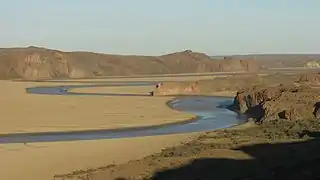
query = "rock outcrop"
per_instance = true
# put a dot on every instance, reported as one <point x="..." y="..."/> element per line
<point x="285" y="102"/>
<point x="39" y="63"/>
<point x="263" y="98"/>
<point x="312" y="64"/>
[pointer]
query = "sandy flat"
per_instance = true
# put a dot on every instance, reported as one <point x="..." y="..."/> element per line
<point x="41" y="161"/>
<point x="159" y="77"/>
<point x="139" y="90"/>
<point x="22" y="112"/>
<point x="176" y="78"/>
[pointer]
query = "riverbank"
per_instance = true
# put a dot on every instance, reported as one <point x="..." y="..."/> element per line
<point x="38" y="113"/>
<point x="221" y="150"/>
<point x="42" y="161"/>
<point x="272" y="150"/>
<point x="24" y="112"/>
<point x="275" y="149"/>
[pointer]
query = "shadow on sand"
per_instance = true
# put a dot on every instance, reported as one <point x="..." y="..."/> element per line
<point x="296" y="160"/>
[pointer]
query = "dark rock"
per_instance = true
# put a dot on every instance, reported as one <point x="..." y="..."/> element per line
<point x="285" y="102"/>
<point x="316" y="110"/>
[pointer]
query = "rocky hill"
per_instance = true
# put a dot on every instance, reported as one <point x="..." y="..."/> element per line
<point x="37" y="63"/>
<point x="297" y="100"/>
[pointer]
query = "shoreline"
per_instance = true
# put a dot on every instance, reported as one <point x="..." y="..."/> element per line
<point x="230" y="143"/>
<point x="158" y="155"/>
<point x="193" y="136"/>
<point x="193" y="118"/>
<point x="172" y="98"/>
<point x="79" y="173"/>
<point x="82" y="113"/>
<point x="178" y="122"/>
<point x="89" y="154"/>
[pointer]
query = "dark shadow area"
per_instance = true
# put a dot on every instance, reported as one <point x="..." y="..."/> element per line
<point x="226" y="104"/>
<point x="316" y="111"/>
<point x="257" y="112"/>
<point x="296" y="160"/>
<point x="282" y="114"/>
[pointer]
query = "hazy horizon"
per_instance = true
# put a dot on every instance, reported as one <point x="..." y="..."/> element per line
<point x="215" y="27"/>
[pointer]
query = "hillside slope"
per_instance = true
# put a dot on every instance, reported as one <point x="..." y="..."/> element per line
<point x="36" y="63"/>
<point x="278" y="60"/>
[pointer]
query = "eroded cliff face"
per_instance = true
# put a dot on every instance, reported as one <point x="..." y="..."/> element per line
<point x="298" y="98"/>
<point x="201" y="62"/>
<point x="36" y="65"/>
<point x="39" y="63"/>
<point x="238" y="65"/>
<point x="263" y="98"/>
<point x="285" y="102"/>
<point x="19" y="63"/>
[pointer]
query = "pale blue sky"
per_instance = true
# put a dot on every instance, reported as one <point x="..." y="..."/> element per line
<point x="156" y="27"/>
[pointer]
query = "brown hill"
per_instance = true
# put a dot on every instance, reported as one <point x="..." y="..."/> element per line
<point x="36" y="63"/>
<point x="278" y="60"/>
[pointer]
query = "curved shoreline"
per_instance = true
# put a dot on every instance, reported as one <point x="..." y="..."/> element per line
<point x="195" y="124"/>
<point x="117" y="130"/>
<point x="191" y="118"/>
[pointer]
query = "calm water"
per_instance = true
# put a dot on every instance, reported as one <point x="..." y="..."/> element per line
<point x="209" y="111"/>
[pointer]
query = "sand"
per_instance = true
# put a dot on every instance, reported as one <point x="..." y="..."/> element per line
<point x="22" y="112"/>
<point x="161" y="78"/>
<point x="41" y="161"/>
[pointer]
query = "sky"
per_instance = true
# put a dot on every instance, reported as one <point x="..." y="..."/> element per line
<point x="150" y="27"/>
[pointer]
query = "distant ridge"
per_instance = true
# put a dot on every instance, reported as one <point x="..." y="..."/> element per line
<point x="38" y="62"/>
<point x="277" y="60"/>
